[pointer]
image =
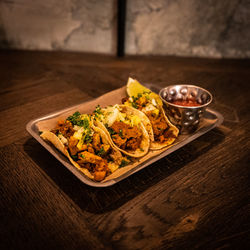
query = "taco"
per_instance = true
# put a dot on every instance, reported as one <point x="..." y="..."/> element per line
<point x="125" y="129"/>
<point x="162" y="133"/>
<point x="86" y="146"/>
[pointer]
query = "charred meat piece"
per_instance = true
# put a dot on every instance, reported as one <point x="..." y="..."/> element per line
<point x="65" y="128"/>
<point x="73" y="145"/>
<point x="123" y="133"/>
<point x="94" y="163"/>
<point x="96" y="141"/>
<point x="133" y="143"/>
<point x="120" y="142"/>
<point x="116" y="156"/>
<point x="159" y="124"/>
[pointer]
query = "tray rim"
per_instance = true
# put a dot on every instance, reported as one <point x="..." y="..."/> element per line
<point x="30" y="127"/>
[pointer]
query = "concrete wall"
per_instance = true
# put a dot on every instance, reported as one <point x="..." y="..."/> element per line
<point x="79" y="25"/>
<point x="210" y="28"/>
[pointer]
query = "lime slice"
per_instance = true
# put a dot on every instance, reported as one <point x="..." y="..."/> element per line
<point x="134" y="88"/>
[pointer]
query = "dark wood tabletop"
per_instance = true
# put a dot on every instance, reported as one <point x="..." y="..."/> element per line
<point x="195" y="198"/>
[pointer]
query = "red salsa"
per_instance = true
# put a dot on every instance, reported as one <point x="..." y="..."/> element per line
<point x="189" y="103"/>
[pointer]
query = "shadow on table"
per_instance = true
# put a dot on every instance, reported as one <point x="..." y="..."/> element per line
<point x="99" y="200"/>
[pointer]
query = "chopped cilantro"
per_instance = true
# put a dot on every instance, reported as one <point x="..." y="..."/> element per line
<point x="88" y="138"/>
<point x="85" y="123"/>
<point x="124" y="163"/>
<point x="83" y="156"/>
<point x="134" y="98"/>
<point x="120" y="133"/>
<point x="142" y="149"/>
<point x="98" y="110"/>
<point x="101" y="152"/>
<point x="74" y="157"/>
<point x="111" y="131"/>
<point x="134" y="105"/>
<point x="75" y="119"/>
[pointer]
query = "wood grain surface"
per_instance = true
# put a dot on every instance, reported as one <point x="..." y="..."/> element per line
<point x="195" y="198"/>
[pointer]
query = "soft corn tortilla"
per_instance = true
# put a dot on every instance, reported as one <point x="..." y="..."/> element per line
<point x="110" y="98"/>
<point x="157" y="145"/>
<point x="145" y="143"/>
<point x="51" y="137"/>
<point x="147" y="124"/>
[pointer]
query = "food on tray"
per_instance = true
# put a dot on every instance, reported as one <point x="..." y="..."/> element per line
<point x="87" y="147"/>
<point x="162" y="132"/>
<point x="114" y="136"/>
<point x="123" y="125"/>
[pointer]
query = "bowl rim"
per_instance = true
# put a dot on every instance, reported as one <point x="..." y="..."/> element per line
<point x="187" y="107"/>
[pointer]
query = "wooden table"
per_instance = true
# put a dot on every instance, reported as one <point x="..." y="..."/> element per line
<point x="197" y="197"/>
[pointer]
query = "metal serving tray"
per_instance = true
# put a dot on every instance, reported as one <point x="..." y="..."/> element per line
<point x="212" y="119"/>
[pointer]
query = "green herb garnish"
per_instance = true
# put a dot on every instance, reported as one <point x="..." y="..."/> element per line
<point x="101" y="152"/>
<point x="123" y="163"/>
<point x="134" y="105"/>
<point x="74" y="157"/>
<point x="98" y="110"/>
<point x="76" y="119"/>
<point x="83" y="156"/>
<point x="120" y="133"/>
<point x="111" y="131"/>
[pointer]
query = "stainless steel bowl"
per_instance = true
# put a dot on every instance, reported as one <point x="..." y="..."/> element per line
<point x="186" y="118"/>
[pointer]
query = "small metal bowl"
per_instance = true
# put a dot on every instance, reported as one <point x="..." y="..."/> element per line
<point x="186" y="118"/>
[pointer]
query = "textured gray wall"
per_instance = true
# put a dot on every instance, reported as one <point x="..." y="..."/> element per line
<point x="79" y="25"/>
<point x="210" y="28"/>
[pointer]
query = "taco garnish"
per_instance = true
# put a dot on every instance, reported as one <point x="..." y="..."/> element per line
<point x="125" y="129"/>
<point x="87" y="147"/>
<point x="149" y="103"/>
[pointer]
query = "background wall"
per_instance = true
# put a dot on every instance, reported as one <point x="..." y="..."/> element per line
<point x="79" y="25"/>
<point x="211" y="28"/>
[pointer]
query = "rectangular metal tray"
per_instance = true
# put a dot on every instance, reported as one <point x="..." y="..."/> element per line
<point x="212" y="118"/>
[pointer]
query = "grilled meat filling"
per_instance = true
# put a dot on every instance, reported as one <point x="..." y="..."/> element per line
<point x="125" y="136"/>
<point x="65" y="128"/>
<point x="160" y="127"/>
<point x="93" y="156"/>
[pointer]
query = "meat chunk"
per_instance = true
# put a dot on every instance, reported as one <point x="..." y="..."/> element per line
<point x="141" y="102"/>
<point x="73" y="145"/>
<point x="96" y="141"/>
<point x="99" y="175"/>
<point x="116" y="156"/>
<point x="65" y="128"/>
<point x="89" y="159"/>
<point x="160" y="127"/>
<point x="133" y="143"/>
<point x="123" y="133"/>
<point x="86" y="157"/>
<point x="119" y="141"/>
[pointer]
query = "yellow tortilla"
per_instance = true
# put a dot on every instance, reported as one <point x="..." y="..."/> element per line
<point x="146" y="122"/>
<point x="145" y="143"/>
<point x="51" y="137"/>
<point x="158" y="145"/>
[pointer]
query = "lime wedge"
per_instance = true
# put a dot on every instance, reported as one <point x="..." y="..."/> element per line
<point x="134" y="88"/>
